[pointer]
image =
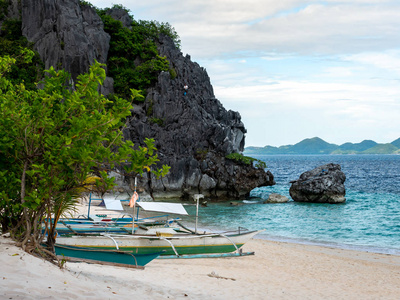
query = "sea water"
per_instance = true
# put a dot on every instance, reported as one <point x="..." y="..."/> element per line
<point x="369" y="220"/>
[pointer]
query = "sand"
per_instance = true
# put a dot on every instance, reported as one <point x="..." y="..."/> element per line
<point x="277" y="271"/>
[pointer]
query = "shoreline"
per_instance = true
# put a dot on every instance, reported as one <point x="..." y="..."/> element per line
<point x="190" y="222"/>
<point x="278" y="270"/>
<point x="338" y="245"/>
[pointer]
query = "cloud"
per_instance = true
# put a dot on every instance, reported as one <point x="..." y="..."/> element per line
<point x="293" y="63"/>
<point x="389" y="60"/>
<point x="355" y="108"/>
<point x="341" y="72"/>
<point x="220" y="28"/>
<point x="215" y="28"/>
<point x="287" y="111"/>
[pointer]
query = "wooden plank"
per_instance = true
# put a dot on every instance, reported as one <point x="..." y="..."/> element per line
<point x="212" y="255"/>
<point x="92" y="261"/>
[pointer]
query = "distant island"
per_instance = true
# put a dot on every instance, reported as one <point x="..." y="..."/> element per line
<point x="317" y="145"/>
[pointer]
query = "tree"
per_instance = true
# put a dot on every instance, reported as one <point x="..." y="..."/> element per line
<point x="51" y="140"/>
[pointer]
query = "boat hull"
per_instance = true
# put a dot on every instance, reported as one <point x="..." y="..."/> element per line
<point x="142" y="244"/>
<point x="113" y="257"/>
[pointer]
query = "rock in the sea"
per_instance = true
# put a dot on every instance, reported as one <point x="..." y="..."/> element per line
<point x="276" y="198"/>
<point x="324" y="184"/>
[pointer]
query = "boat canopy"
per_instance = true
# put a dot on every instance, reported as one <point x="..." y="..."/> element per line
<point x="165" y="207"/>
<point x="113" y="204"/>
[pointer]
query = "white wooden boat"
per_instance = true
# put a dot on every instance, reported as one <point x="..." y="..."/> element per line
<point x="178" y="244"/>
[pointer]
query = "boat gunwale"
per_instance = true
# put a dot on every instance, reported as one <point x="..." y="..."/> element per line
<point x="177" y="236"/>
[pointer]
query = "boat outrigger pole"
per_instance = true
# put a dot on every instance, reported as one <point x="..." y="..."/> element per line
<point x="197" y="199"/>
<point x="132" y="203"/>
<point x="197" y="214"/>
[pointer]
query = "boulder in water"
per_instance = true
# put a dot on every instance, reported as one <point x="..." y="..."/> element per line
<point x="276" y="198"/>
<point x="324" y="184"/>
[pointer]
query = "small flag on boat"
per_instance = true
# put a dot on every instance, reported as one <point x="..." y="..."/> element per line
<point x="133" y="200"/>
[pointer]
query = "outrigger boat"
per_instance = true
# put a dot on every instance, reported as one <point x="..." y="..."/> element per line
<point x="175" y="241"/>
<point x="175" y="246"/>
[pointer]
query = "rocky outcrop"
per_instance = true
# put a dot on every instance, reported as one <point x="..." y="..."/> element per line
<point x="276" y="198"/>
<point x="193" y="131"/>
<point x="324" y="184"/>
<point x="66" y="35"/>
<point x="194" y="134"/>
<point x="122" y="16"/>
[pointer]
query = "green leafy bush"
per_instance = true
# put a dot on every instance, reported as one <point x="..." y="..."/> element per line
<point x="85" y="3"/>
<point x="201" y="154"/>
<point x="159" y="122"/>
<point x="3" y="9"/>
<point x="172" y="72"/>
<point x="51" y="139"/>
<point x="11" y="43"/>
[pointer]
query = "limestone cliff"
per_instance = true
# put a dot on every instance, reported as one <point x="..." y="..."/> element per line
<point x="193" y="131"/>
<point x="66" y="35"/>
<point x="195" y="135"/>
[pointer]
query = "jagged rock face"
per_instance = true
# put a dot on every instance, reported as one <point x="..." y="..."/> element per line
<point x="192" y="130"/>
<point x="195" y="135"/>
<point x="66" y="35"/>
<point x="324" y="184"/>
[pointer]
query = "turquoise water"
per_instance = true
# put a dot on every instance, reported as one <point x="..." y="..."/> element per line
<point x="369" y="220"/>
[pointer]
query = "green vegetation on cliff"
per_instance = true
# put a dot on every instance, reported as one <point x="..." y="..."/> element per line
<point x="133" y="60"/>
<point x="11" y="43"/>
<point x="247" y="160"/>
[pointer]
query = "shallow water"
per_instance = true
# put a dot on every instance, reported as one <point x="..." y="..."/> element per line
<point x="369" y="220"/>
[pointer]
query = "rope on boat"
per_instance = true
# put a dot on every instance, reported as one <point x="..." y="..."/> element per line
<point x="133" y="257"/>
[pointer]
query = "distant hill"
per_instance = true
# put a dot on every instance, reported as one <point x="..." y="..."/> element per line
<point x="396" y="143"/>
<point x="313" y="146"/>
<point x="317" y="145"/>
<point x="381" y="149"/>
<point x="364" y="145"/>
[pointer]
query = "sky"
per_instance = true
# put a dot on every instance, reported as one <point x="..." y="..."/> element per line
<point x="294" y="69"/>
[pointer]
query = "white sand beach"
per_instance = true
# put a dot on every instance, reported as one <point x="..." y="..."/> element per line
<point x="277" y="271"/>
